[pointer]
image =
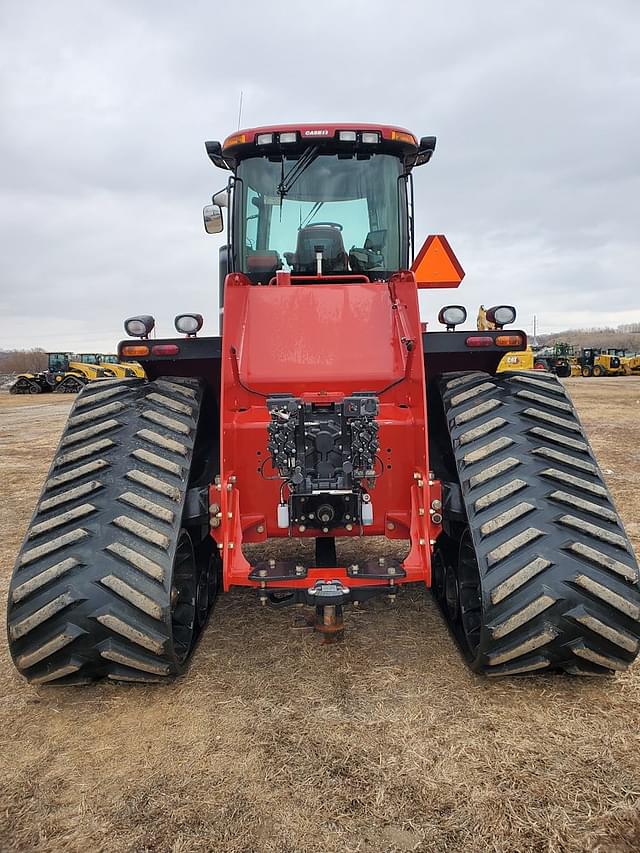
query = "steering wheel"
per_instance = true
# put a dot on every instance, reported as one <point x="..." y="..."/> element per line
<point x="332" y="224"/>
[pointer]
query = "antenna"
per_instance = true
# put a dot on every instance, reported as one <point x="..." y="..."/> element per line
<point x="240" y="110"/>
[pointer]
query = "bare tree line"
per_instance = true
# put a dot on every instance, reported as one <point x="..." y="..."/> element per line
<point x="23" y="361"/>
<point x="625" y="336"/>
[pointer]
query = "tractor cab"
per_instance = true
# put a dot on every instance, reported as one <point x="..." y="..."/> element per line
<point x="58" y="362"/>
<point x="318" y="201"/>
<point x="88" y="358"/>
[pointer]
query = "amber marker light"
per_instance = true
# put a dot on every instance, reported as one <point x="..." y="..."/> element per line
<point x="238" y="139"/>
<point x="135" y="350"/>
<point x="509" y="341"/>
<point x="399" y="136"/>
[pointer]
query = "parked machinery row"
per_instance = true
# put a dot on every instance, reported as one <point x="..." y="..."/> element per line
<point x="565" y="360"/>
<point x="69" y="372"/>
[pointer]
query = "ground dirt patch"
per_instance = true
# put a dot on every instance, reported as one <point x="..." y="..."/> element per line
<point x="274" y="743"/>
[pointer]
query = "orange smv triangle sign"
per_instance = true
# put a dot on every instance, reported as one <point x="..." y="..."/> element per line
<point x="436" y="265"/>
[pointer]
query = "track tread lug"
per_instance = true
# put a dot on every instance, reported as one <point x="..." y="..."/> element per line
<point x="163" y="442"/>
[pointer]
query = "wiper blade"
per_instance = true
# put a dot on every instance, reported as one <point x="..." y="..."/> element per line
<point x="296" y="170"/>
<point x="316" y="207"/>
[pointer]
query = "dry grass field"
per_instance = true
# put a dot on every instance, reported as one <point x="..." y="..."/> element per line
<point x="272" y="742"/>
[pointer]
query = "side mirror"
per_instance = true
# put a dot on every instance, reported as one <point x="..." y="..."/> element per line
<point x="212" y="215"/>
<point x="426" y="149"/>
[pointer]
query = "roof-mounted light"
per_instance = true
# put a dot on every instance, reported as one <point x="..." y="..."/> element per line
<point x="347" y="135"/>
<point x="288" y="138"/>
<point x="189" y="324"/>
<point x="236" y="139"/>
<point x="140" y="326"/>
<point x="402" y="136"/>
<point x="264" y="139"/>
<point x="370" y="137"/>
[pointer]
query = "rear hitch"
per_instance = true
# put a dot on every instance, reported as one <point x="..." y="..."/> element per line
<point x="328" y="620"/>
<point x="328" y="594"/>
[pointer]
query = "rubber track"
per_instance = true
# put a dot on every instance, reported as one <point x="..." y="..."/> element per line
<point x="559" y="576"/>
<point x="90" y="593"/>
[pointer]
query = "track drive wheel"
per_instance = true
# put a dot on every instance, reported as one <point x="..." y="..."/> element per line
<point x="545" y="577"/>
<point x="209" y="568"/>
<point x="22" y="385"/>
<point x="70" y="385"/>
<point x="106" y="582"/>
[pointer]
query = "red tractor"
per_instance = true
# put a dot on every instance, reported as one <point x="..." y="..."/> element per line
<point x="323" y="412"/>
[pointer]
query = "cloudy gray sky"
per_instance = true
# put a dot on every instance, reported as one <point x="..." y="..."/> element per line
<point x="104" y="108"/>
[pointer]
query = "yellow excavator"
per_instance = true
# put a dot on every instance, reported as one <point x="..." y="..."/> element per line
<point x="522" y="360"/>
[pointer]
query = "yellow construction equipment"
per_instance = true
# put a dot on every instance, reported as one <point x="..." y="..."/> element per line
<point x="631" y="365"/>
<point x="522" y="360"/>
<point x="65" y="374"/>
<point x="110" y="365"/>
<point x="484" y="325"/>
<point x="71" y="373"/>
<point x="113" y="367"/>
<point x="595" y="362"/>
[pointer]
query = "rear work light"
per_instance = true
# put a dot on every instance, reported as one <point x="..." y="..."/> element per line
<point x="347" y="135"/>
<point x="501" y="315"/>
<point x="188" y="324"/>
<point x="514" y="341"/>
<point x="140" y="326"/>
<point x="165" y="349"/>
<point x="452" y="316"/>
<point x="264" y="139"/>
<point x="479" y="341"/>
<point x="370" y="137"/>
<point x="135" y="350"/>
<point x="288" y="137"/>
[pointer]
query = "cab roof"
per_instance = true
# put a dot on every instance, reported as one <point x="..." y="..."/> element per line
<point x="318" y="132"/>
<point x="340" y="137"/>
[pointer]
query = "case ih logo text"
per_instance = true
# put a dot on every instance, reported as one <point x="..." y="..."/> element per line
<point x="316" y="133"/>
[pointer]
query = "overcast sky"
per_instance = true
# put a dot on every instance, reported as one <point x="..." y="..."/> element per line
<point x="104" y="108"/>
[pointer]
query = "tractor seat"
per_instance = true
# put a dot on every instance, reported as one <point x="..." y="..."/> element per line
<point x="325" y="238"/>
<point x="264" y="263"/>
